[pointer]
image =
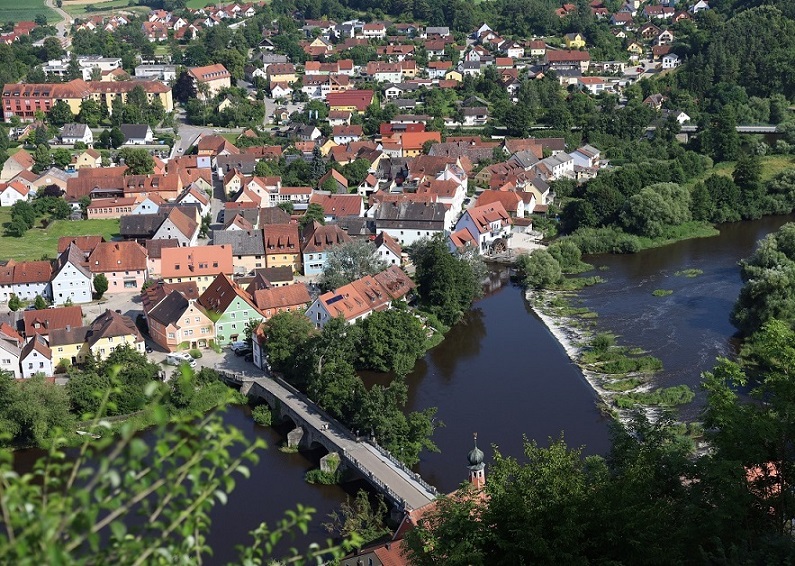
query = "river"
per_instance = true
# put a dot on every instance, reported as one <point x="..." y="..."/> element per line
<point x="500" y="373"/>
<point x="689" y="328"/>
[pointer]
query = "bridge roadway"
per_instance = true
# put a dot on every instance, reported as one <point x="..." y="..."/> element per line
<point x="399" y="484"/>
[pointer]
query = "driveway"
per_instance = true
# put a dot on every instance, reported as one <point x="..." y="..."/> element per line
<point x="63" y="25"/>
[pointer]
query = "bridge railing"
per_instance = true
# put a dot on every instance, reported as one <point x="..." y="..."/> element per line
<point x="377" y="482"/>
<point x="397" y="463"/>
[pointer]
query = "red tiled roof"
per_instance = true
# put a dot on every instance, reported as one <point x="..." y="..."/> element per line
<point x="41" y="322"/>
<point x="117" y="256"/>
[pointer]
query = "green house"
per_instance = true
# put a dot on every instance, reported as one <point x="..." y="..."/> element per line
<point x="230" y="308"/>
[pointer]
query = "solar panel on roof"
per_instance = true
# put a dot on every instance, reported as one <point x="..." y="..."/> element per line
<point x="335" y="299"/>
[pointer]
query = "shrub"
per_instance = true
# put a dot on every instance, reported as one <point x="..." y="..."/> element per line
<point x="195" y="353"/>
<point x="603" y="342"/>
<point x="661" y="292"/>
<point x="262" y="415"/>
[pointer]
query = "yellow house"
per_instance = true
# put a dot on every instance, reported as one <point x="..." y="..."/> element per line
<point x="454" y="76"/>
<point x="635" y="48"/>
<point x="88" y="159"/>
<point x="281" y="73"/>
<point x="574" y="41"/>
<point x="68" y="345"/>
<point x="282" y="246"/>
<point x="110" y="331"/>
<point x="327" y="147"/>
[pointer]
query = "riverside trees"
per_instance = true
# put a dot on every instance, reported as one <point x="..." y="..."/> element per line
<point x="769" y="277"/>
<point x="324" y="363"/>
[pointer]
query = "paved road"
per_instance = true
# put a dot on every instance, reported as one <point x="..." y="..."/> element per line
<point x="378" y="468"/>
<point x="64" y="25"/>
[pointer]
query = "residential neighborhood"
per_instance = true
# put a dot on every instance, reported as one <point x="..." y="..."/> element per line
<point x="360" y="221"/>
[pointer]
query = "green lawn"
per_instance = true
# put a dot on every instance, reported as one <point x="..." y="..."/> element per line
<point x="772" y="165"/>
<point x="199" y="3"/>
<point x="39" y="242"/>
<point x="101" y="8"/>
<point x="12" y="11"/>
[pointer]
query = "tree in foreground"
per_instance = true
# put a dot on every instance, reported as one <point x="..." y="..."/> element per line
<point x="100" y="285"/>
<point x="122" y="499"/>
<point x="539" y="269"/>
<point x="138" y="161"/>
<point x="348" y="262"/>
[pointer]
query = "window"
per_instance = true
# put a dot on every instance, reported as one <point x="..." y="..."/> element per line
<point x="171" y="335"/>
<point x="197" y="319"/>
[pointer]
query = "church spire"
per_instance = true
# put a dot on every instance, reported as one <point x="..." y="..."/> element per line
<point x="477" y="474"/>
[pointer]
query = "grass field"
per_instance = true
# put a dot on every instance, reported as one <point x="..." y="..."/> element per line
<point x="13" y="11"/>
<point x="200" y="3"/>
<point x="38" y="242"/>
<point x="79" y="9"/>
<point x="772" y="165"/>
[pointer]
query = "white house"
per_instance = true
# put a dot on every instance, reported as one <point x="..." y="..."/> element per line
<point x="9" y="358"/>
<point x="387" y="249"/>
<point x="374" y="31"/>
<point x="150" y="205"/>
<point x="699" y="6"/>
<point x="481" y="225"/>
<point x="13" y="192"/>
<point x="178" y="226"/>
<point x="281" y="90"/>
<point x="32" y="278"/>
<point x="193" y="195"/>
<point x="73" y="133"/>
<point x="670" y="61"/>
<point x="71" y="279"/>
<point x="137" y="134"/>
<point x="36" y="357"/>
<point x="586" y="156"/>
<point x="555" y="167"/>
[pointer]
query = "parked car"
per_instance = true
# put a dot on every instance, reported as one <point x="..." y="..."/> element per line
<point x="176" y="359"/>
<point x="243" y="352"/>
<point x="249" y="357"/>
<point x="148" y="349"/>
<point x="238" y="346"/>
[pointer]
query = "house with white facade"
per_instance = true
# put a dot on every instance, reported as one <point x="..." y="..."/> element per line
<point x="149" y="205"/>
<point x="71" y="279"/>
<point x="670" y="61"/>
<point x="180" y="227"/>
<point x="359" y="299"/>
<point x="481" y="226"/>
<point x="9" y="357"/>
<point x="73" y="133"/>
<point x="36" y="357"/>
<point x="13" y="192"/>
<point x="31" y="279"/>
<point x="387" y="249"/>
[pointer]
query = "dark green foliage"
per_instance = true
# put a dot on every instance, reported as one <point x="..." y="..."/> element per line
<point x="769" y="277"/>
<point x="314" y="213"/>
<point x="14" y="304"/>
<point x="655" y="208"/>
<point x="394" y="340"/>
<point x="262" y="415"/>
<point x="446" y="284"/>
<point x="138" y="161"/>
<point x="33" y="410"/>
<point x="100" y="284"/>
<point x="40" y="303"/>
<point x="538" y="270"/>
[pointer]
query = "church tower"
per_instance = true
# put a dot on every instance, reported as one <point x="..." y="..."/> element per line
<point x="477" y="474"/>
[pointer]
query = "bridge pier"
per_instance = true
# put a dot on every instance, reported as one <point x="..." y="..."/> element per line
<point x="294" y="437"/>
<point x="330" y="463"/>
<point x="246" y="387"/>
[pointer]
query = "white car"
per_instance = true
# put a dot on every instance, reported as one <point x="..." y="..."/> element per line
<point x="237" y="346"/>
<point x="176" y="359"/>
